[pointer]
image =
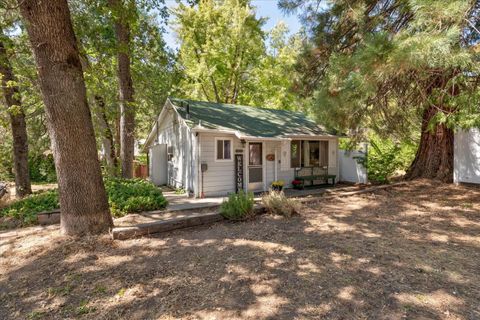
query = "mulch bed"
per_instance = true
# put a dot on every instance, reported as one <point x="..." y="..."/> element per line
<point x="407" y="252"/>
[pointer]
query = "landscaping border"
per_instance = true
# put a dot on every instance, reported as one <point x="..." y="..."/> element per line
<point x="122" y="233"/>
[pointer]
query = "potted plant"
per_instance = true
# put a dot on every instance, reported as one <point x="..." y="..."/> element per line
<point x="277" y="185"/>
<point x="297" y="184"/>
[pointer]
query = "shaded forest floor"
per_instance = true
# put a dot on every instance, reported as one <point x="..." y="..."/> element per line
<point x="405" y="252"/>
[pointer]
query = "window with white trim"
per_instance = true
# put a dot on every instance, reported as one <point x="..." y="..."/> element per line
<point x="308" y="153"/>
<point x="223" y="149"/>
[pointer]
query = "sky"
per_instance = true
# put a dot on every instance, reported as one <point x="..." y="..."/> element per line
<point x="264" y="8"/>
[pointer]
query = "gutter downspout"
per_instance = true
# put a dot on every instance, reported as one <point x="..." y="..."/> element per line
<point x="198" y="193"/>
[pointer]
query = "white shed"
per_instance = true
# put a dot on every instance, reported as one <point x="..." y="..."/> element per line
<point x="467" y="156"/>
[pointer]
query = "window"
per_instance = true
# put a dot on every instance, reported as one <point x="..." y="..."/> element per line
<point x="224" y="149"/>
<point x="295" y="153"/>
<point x="314" y="153"/>
<point x="323" y="154"/>
<point x="308" y="153"/>
<point x="255" y="156"/>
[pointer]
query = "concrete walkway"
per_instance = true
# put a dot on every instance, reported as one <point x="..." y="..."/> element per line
<point x="179" y="202"/>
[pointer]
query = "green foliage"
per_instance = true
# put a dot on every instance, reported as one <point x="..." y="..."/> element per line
<point x="239" y="206"/>
<point x="380" y="64"/>
<point x="42" y="168"/>
<point x="385" y="158"/>
<point x="227" y="57"/>
<point x="6" y="173"/>
<point x="221" y="42"/>
<point x="135" y="195"/>
<point x="270" y="83"/>
<point x="277" y="203"/>
<point x="180" y="191"/>
<point x="27" y="208"/>
<point x="124" y="196"/>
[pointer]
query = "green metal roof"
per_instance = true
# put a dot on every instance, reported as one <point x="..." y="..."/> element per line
<point x="248" y="121"/>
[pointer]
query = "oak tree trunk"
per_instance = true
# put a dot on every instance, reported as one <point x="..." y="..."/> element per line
<point x="83" y="200"/>
<point x="127" y="111"/>
<point x="17" y="121"/>
<point x="106" y="133"/>
<point x="434" y="158"/>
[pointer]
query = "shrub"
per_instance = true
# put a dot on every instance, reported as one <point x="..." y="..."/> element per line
<point x="239" y="206"/>
<point x="134" y="195"/>
<point x="42" y="168"/>
<point x="27" y="208"/>
<point x="124" y="196"/>
<point x="277" y="203"/>
<point x="386" y="158"/>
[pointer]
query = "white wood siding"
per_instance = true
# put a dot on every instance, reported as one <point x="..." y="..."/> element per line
<point x="219" y="179"/>
<point x="182" y="167"/>
<point x="467" y="156"/>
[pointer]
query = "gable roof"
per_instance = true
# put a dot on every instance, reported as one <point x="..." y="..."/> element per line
<point x="247" y="120"/>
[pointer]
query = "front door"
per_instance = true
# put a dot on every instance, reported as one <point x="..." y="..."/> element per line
<point x="255" y="166"/>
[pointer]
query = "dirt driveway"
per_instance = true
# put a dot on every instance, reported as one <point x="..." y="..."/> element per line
<point x="410" y="252"/>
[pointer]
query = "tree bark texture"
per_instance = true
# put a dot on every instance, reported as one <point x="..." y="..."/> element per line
<point x="126" y="92"/>
<point x="17" y="122"/>
<point x="83" y="200"/>
<point x="434" y="158"/>
<point x="106" y="133"/>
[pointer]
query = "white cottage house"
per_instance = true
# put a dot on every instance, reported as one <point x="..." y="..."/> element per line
<point x="212" y="149"/>
<point x="467" y="156"/>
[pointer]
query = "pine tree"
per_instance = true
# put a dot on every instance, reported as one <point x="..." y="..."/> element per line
<point x="396" y="66"/>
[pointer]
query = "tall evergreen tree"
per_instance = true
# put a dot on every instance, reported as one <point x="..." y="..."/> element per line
<point x="394" y="66"/>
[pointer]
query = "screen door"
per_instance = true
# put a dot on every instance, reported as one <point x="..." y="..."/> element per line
<point x="255" y="166"/>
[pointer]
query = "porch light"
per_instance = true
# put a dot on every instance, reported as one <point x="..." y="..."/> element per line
<point x="243" y="143"/>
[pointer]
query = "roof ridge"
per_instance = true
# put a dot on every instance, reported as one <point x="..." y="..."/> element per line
<point x="258" y="121"/>
<point x="240" y="105"/>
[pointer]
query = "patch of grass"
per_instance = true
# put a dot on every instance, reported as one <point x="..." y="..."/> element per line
<point x="60" y="291"/>
<point x="36" y="315"/>
<point x="179" y="191"/>
<point x="83" y="308"/>
<point x="467" y="205"/>
<point x="100" y="289"/>
<point x="124" y="196"/>
<point x="239" y="206"/>
<point x="121" y="292"/>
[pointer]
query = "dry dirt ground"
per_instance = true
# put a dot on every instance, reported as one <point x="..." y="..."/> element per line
<point x="409" y="252"/>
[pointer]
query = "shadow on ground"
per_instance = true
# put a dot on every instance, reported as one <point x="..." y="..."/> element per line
<point x="407" y="252"/>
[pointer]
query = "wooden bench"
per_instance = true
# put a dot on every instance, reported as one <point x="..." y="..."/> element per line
<point x="313" y="174"/>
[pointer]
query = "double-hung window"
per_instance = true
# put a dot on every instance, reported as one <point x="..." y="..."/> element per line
<point x="223" y="150"/>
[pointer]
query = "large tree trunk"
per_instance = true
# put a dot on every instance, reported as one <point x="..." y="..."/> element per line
<point x="434" y="158"/>
<point x="83" y="200"/>
<point x="108" y="144"/>
<point x="18" y="124"/>
<point x="127" y="111"/>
